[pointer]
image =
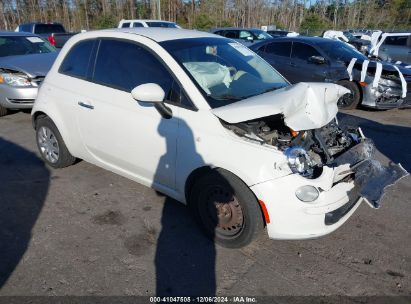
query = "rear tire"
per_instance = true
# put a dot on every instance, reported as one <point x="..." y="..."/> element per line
<point x="226" y="209"/>
<point x="3" y="111"/>
<point x="51" y="145"/>
<point x="350" y="100"/>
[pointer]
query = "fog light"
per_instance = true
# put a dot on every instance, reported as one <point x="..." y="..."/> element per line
<point x="307" y="194"/>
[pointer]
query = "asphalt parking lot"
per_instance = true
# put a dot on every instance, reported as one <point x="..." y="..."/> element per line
<point x="86" y="231"/>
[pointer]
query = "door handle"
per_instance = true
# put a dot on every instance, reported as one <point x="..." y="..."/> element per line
<point x="85" y="105"/>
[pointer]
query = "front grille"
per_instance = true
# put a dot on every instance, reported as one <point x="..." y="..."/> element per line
<point x="353" y="196"/>
<point x="21" y="101"/>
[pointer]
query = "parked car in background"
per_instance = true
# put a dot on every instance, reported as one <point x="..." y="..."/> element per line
<point x="393" y="47"/>
<point x="362" y="45"/>
<point x="55" y="33"/>
<point x="24" y="62"/>
<point x="214" y="126"/>
<point x="146" y="23"/>
<point x="302" y="59"/>
<point x="245" y="36"/>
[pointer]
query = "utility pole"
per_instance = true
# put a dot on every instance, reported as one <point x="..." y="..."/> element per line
<point x="159" y="9"/>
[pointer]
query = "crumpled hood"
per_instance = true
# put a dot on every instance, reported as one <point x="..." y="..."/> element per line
<point x="305" y="105"/>
<point x="33" y="65"/>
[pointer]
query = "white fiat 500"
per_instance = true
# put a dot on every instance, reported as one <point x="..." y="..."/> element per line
<point x="206" y="121"/>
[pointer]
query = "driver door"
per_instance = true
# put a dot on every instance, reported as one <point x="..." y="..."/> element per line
<point x="119" y="133"/>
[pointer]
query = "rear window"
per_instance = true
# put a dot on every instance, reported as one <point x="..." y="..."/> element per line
<point x="125" y="24"/>
<point x="48" y="28"/>
<point x="161" y="24"/>
<point x="137" y="24"/>
<point x="77" y="61"/>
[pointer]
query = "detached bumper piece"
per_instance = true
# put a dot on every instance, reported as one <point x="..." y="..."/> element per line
<point x="371" y="178"/>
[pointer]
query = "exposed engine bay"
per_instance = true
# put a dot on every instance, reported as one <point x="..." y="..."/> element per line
<point x="307" y="151"/>
<point x="332" y="145"/>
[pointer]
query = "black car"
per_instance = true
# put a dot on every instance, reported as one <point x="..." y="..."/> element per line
<point x="315" y="59"/>
<point x="360" y="44"/>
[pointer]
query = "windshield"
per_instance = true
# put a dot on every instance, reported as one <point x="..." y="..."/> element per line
<point x="225" y="71"/>
<point x="161" y="24"/>
<point x="261" y="35"/>
<point x="340" y="51"/>
<point x="23" y="45"/>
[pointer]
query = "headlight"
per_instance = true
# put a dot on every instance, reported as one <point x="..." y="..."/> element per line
<point x="307" y="194"/>
<point x="15" y="80"/>
<point x="299" y="161"/>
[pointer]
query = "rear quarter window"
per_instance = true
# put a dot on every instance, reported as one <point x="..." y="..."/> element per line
<point x="78" y="59"/>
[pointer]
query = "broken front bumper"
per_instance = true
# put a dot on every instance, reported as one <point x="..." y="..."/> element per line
<point x="353" y="178"/>
<point x="371" y="178"/>
<point x="386" y="98"/>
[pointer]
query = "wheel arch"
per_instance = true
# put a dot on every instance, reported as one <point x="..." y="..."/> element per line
<point x="200" y="171"/>
<point x="357" y="83"/>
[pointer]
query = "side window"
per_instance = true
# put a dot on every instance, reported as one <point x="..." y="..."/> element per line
<point x="396" y="40"/>
<point x="303" y="51"/>
<point x="137" y="24"/>
<point x="25" y="28"/>
<point x="279" y="48"/>
<point x="125" y="25"/>
<point x="245" y="34"/>
<point x="231" y="34"/>
<point x="135" y="66"/>
<point x="77" y="60"/>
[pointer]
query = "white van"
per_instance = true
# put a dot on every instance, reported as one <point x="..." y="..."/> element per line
<point x="146" y="23"/>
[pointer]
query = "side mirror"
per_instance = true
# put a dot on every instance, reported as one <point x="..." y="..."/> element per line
<point x="317" y="59"/>
<point x="148" y="92"/>
<point x="152" y="93"/>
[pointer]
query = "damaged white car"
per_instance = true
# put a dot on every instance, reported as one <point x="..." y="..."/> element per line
<point x="209" y="123"/>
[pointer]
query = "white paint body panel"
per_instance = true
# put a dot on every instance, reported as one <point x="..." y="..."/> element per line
<point x="133" y="140"/>
<point x="305" y="106"/>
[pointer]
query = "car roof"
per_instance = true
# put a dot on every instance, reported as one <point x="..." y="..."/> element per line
<point x="235" y="28"/>
<point x="163" y="34"/>
<point x="307" y="39"/>
<point x="10" y="33"/>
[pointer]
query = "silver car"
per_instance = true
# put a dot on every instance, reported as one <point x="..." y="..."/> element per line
<point x="25" y="60"/>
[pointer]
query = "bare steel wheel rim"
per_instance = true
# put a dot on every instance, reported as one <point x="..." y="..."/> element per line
<point x="221" y="211"/>
<point x="48" y="144"/>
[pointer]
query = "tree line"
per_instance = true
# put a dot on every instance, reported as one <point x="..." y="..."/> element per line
<point x="307" y="16"/>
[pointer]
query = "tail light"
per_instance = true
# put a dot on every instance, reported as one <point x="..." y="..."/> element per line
<point x="51" y="40"/>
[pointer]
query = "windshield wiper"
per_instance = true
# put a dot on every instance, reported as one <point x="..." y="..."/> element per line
<point x="228" y="97"/>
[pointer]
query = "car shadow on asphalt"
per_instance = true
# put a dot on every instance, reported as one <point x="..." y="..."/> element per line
<point x="392" y="141"/>
<point x="24" y="183"/>
<point x="185" y="257"/>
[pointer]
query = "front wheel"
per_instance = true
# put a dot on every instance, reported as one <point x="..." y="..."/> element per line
<point x="350" y="100"/>
<point x="52" y="148"/>
<point x="226" y="209"/>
